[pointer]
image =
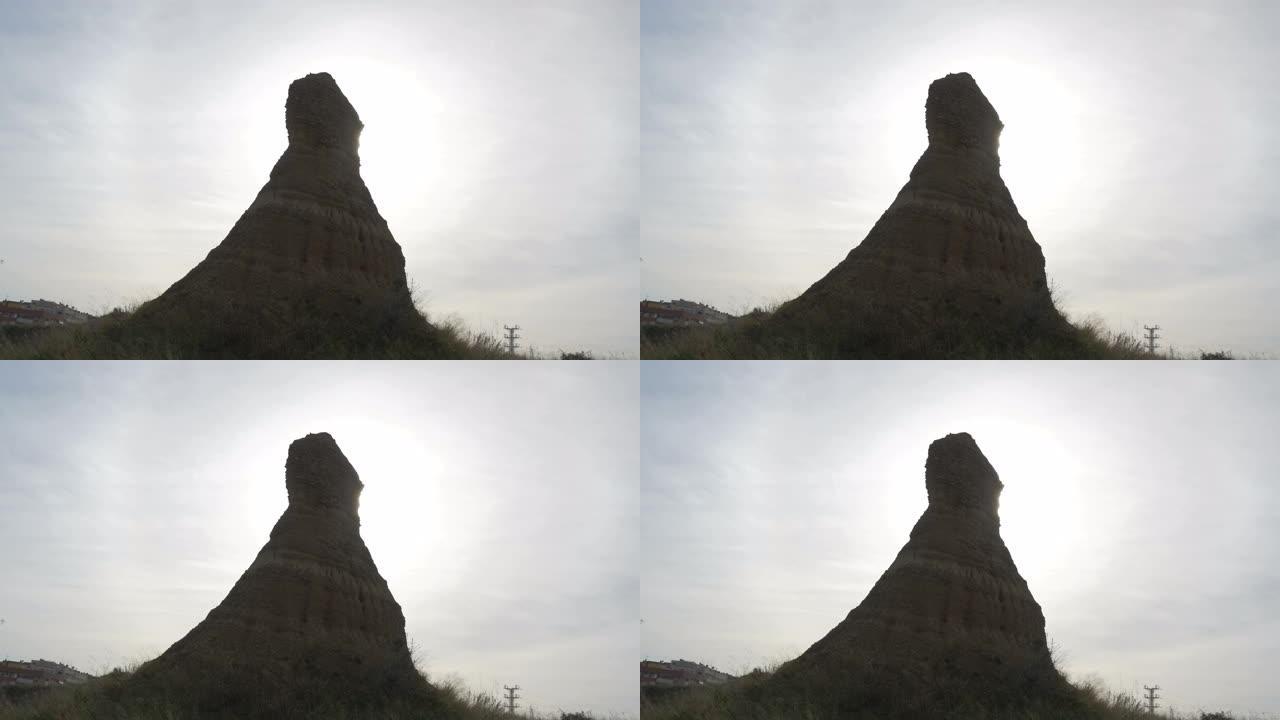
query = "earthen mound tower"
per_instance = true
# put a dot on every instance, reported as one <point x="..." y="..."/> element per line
<point x="951" y="268"/>
<point x="311" y="268"/>
<point x="950" y="621"/>
<point x="310" y="619"/>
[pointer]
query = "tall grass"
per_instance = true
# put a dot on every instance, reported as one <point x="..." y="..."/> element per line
<point x="748" y="698"/>
<point x="115" y="696"/>
<point x="119" y="336"/>
<point x="879" y="333"/>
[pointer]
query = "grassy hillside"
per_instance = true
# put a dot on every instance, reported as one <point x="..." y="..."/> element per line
<point x="121" y="335"/>
<point x="118" y="696"/>
<point x="756" y="336"/>
<point x="753" y="697"/>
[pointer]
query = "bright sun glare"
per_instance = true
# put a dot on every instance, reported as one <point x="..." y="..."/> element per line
<point x="1041" y="507"/>
<point x="1050" y="124"/>
<point x="1042" y="144"/>
<point x="397" y="112"/>
<point x="408" y="507"/>
<point x="416" y="151"/>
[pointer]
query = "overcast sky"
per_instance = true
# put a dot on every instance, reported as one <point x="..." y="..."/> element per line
<point x="499" y="506"/>
<point x="499" y="144"/>
<point x="1140" y="504"/>
<point x="1139" y="144"/>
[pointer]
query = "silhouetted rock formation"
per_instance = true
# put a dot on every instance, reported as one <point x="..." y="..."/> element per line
<point x="953" y="580"/>
<point x="951" y="616"/>
<point x="311" y="267"/>
<point x="950" y="263"/>
<point x="311" y="612"/>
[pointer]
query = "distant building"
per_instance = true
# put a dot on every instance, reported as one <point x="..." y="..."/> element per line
<point x="39" y="672"/>
<point x="679" y="673"/>
<point x="680" y="313"/>
<point x="40" y="313"/>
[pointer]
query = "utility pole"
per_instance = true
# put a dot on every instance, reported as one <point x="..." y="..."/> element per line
<point x="511" y="698"/>
<point x="511" y="338"/>
<point x="1152" y="337"/>
<point x="1151" y="698"/>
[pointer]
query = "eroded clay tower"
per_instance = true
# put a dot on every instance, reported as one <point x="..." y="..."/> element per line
<point x="951" y="614"/>
<point x="311" y="268"/>
<point x="311" y="611"/>
<point x="952" y="258"/>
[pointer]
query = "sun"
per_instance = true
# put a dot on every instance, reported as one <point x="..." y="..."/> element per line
<point x="1044" y="514"/>
<point x="408" y="508"/>
<point x="1056" y="114"/>
<point x="1043" y="146"/>
<point x="422" y="146"/>
<point x="410" y="152"/>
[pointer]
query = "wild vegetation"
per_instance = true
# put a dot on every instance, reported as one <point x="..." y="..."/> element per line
<point x="884" y="336"/>
<point x="892" y="698"/>
<point x="113" y="336"/>
<point x="127" y="334"/>
<point x="119" y="695"/>
<point x="754" y="335"/>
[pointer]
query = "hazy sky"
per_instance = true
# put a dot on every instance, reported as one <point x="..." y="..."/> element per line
<point x="1140" y="504"/>
<point x="499" y="505"/>
<point x="1139" y="144"/>
<point x="499" y="144"/>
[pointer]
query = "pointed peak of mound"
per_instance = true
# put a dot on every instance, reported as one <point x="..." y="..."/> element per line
<point x="318" y="115"/>
<point x="958" y="475"/>
<point x="318" y="475"/>
<point x="958" y="115"/>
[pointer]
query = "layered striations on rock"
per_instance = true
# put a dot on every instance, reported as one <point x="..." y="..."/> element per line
<point x="311" y="256"/>
<point x="951" y="611"/>
<point x="312" y="609"/>
<point x="952" y="252"/>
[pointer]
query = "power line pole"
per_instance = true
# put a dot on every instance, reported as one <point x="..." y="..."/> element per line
<point x="1151" y="698"/>
<point x="1152" y="337"/>
<point x="511" y="338"/>
<point x="511" y="698"/>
